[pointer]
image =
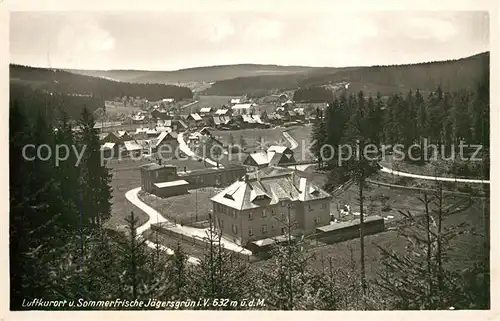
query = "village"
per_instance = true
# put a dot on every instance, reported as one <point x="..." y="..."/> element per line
<point x="258" y="188"/>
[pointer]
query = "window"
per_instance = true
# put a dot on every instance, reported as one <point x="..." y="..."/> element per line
<point x="221" y="224"/>
<point x="310" y="208"/>
<point x="250" y="216"/>
<point x="282" y="203"/>
<point x="317" y="220"/>
<point x="273" y="212"/>
<point x="250" y="232"/>
<point x="235" y="229"/>
<point x="323" y="206"/>
<point x="264" y="229"/>
<point x="264" y="213"/>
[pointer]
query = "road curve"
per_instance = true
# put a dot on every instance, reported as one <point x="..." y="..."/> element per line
<point x="291" y="140"/>
<point x="433" y="178"/>
<point x="154" y="216"/>
<point x="186" y="150"/>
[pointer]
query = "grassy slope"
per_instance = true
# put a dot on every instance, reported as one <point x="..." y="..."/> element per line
<point x="210" y="73"/>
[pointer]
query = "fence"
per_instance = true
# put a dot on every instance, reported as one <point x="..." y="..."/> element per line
<point x="202" y="244"/>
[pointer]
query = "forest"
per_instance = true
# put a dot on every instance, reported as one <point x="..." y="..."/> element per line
<point x="59" y="81"/>
<point x="451" y="75"/>
<point x="61" y="247"/>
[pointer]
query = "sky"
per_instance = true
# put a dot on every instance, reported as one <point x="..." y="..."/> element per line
<point x="176" y="40"/>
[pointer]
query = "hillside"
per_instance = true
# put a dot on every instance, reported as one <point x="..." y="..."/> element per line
<point x="60" y="81"/>
<point x="451" y="75"/>
<point x="198" y="74"/>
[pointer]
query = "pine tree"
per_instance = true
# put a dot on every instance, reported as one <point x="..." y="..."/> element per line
<point x="95" y="178"/>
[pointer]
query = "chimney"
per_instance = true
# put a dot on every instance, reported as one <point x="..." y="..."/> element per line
<point x="159" y="161"/>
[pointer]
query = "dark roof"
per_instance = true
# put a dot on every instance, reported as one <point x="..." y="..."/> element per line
<point x="154" y="166"/>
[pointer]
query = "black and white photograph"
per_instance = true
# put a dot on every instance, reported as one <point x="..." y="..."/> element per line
<point x="249" y="158"/>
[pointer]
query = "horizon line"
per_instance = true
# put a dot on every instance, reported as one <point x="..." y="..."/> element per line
<point x="255" y="64"/>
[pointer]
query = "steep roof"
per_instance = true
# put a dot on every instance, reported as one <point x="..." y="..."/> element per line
<point x="260" y="158"/>
<point x="205" y="109"/>
<point x="271" y="183"/>
<point x="195" y="116"/>
<point x="221" y="111"/>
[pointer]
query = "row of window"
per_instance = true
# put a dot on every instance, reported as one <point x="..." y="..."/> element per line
<point x="234" y="213"/>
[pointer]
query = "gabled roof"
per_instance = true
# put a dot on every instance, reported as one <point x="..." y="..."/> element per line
<point x="132" y="145"/>
<point x="195" y="116"/>
<point x="163" y="136"/>
<point x="242" y="106"/>
<point x="260" y="158"/>
<point x="274" y="184"/>
<point x="108" y="146"/>
<point x="205" y="110"/>
<point x="235" y="100"/>
<point x="221" y="111"/>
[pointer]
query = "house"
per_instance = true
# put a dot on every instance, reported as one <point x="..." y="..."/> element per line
<point x="164" y="123"/>
<point x="275" y="119"/>
<point x="242" y="109"/>
<point x="300" y="114"/>
<point x="205" y="111"/>
<point x="274" y="156"/>
<point x="194" y="120"/>
<point x="222" y="112"/>
<point x="234" y="101"/>
<point x="160" y="114"/>
<point x="260" y="205"/>
<point x="220" y="121"/>
<point x="178" y="125"/>
<point x="124" y="136"/>
<point x="132" y="148"/>
<point x="110" y="150"/>
<point x="161" y="180"/>
<point x="110" y="138"/>
<point x="213" y="177"/>
<point x="138" y="118"/>
<point x="165" y="145"/>
<point x="257" y="159"/>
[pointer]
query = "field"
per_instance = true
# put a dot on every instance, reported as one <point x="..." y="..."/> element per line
<point x="270" y="136"/>
<point x="183" y="209"/>
<point x="466" y="249"/>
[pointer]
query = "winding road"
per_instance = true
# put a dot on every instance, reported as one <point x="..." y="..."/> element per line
<point x="156" y="217"/>
<point x="433" y="178"/>
<point x="186" y="150"/>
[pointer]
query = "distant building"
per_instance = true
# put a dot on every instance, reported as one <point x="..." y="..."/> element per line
<point x="220" y="121"/>
<point x="110" y="150"/>
<point x="165" y="145"/>
<point x="161" y="180"/>
<point x="260" y="205"/>
<point x="243" y="109"/>
<point x="205" y="112"/>
<point x="194" y="120"/>
<point x="274" y="156"/>
<point x="165" y="181"/>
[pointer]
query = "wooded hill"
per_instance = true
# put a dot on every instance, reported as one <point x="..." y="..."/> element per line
<point x="450" y="75"/>
<point x="60" y="81"/>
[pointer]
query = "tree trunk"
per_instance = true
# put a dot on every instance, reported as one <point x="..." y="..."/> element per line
<point x="361" y="235"/>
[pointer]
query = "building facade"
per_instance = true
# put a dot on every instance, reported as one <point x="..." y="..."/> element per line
<point x="264" y="204"/>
